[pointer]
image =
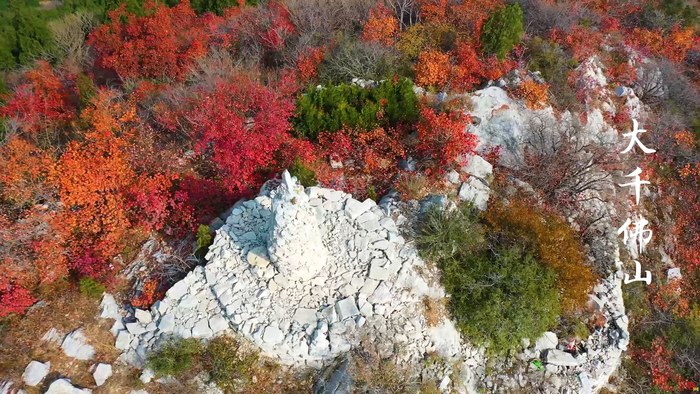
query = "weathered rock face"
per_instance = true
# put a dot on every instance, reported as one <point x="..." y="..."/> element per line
<point x="295" y="243"/>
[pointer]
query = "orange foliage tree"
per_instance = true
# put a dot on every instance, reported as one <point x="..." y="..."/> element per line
<point x="24" y="169"/>
<point x="534" y="94"/>
<point x="674" y="45"/>
<point x="432" y="68"/>
<point x="581" y="41"/>
<point x="433" y="10"/>
<point x="308" y="62"/>
<point x="381" y="26"/>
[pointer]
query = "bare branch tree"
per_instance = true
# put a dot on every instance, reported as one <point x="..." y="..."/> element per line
<point x="561" y="161"/>
<point x="69" y="35"/>
<point x="649" y="85"/>
<point x="406" y="12"/>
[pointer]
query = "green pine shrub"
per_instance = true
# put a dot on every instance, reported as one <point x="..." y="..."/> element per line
<point x="499" y="292"/>
<point x="305" y="175"/>
<point x="174" y="357"/>
<point x="204" y="240"/>
<point x="331" y="108"/>
<point x="503" y="30"/>
<point x="554" y="65"/>
<point x="91" y="288"/>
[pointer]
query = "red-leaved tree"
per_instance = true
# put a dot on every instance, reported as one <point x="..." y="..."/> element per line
<point x="162" y="44"/>
<point x="41" y="103"/>
<point x="243" y="127"/>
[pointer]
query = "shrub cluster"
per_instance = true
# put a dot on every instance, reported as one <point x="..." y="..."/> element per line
<point x="499" y="292"/>
<point x="502" y="31"/>
<point x="231" y="365"/>
<point x="552" y="241"/>
<point x="330" y="108"/>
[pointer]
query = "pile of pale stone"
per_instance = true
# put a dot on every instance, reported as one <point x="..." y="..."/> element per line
<point x="305" y="274"/>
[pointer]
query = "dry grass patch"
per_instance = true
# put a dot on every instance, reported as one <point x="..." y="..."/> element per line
<point x="434" y="310"/>
<point x="65" y="309"/>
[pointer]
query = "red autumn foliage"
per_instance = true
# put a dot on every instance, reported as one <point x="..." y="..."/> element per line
<point x="659" y="360"/>
<point x="242" y="127"/>
<point x="267" y="27"/>
<point x="471" y="15"/>
<point x="87" y="264"/>
<point x="368" y="157"/>
<point x="610" y="25"/>
<point x="41" y="102"/>
<point x="14" y="299"/>
<point x="162" y="44"/>
<point x="676" y="152"/>
<point x="623" y="73"/>
<point x="582" y="42"/>
<point x="442" y="139"/>
<point x="151" y="201"/>
<point x="674" y="45"/>
<point x="469" y="69"/>
<point x="149" y="294"/>
<point x="433" y="10"/>
<point x="278" y="27"/>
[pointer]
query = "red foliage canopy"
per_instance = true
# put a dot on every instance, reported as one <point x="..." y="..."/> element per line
<point x="442" y="138"/>
<point x="162" y="44"/>
<point x="243" y="127"/>
<point x="42" y="101"/>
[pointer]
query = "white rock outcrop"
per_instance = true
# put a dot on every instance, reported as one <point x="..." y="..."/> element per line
<point x="362" y="281"/>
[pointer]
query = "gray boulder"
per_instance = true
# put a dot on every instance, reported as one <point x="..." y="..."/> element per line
<point x="336" y="379"/>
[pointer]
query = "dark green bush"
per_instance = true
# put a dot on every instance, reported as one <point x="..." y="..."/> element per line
<point x="203" y="241"/>
<point x="681" y="11"/>
<point x="372" y="193"/>
<point x="305" y="175"/>
<point x="502" y="30"/>
<point x="91" y="288"/>
<point x="86" y="89"/>
<point x="499" y="293"/>
<point x="174" y="357"/>
<point x="331" y="108"/>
